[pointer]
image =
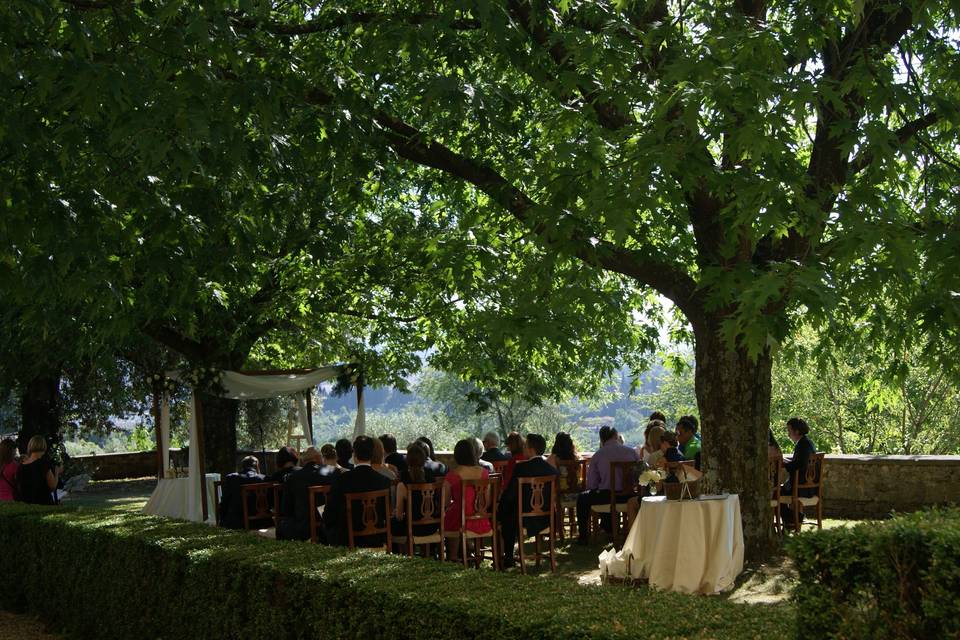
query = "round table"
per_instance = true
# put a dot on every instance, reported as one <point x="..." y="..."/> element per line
<point x="691" y="546"/>
<point x="171" y="498"/>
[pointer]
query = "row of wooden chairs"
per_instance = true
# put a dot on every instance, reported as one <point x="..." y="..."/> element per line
<point x="429" y="499"/>
<point x="811" y="485"/>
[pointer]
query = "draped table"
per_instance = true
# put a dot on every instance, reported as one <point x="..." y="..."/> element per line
<point x="691" y="546"/>
<point x="172" y="499"/>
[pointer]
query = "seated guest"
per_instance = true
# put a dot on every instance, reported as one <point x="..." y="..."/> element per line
<point x="8" y="470"/>
<point x="515" y="445"/>
<point x="436" y="467"/>
<point x="689" y="440"/>
<point x="654" y="437"/>
<point x="330" y="458"/>
<point x="534" y="466"/>
<point x="646" y="448"/>
<point x="468" y="468"/>
<point x="598" y="480"/>
<point x="773" y="447"/>
<point x="415" y="473"/>
<point x="657" y="415"/>
<point x="361" y="478"/>
<point x="564" y="450"/>
<point x="376" y="461"/>
<point x="37" y="476"/>
<point x="286" y="463"/>
<point x="392" y="456"/>
<point x="478" y="448"/>
<point x="670" y="447"/>
<point x="491" y="448"/>
<point x="231" y="506"/>
<point x="803" y="449"/>
<point x="344" y="453"/>
<point x="295" y="524"/>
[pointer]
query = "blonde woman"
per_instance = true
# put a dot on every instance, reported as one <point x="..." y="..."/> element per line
<point x="37" y="477"/>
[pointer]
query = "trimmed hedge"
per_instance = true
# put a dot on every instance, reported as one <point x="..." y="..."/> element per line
<point x="894" y="579"/>
<point x="104" y="574"/>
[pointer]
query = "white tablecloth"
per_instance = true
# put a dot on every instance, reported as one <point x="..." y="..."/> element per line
<point x="691" y="546"/>
<point x="171" y="499"/>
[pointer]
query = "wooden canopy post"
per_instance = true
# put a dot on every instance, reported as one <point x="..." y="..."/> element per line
<point x="309" y="433"/>
<point x="156" y="428"/>
<point x="198" y="417"/>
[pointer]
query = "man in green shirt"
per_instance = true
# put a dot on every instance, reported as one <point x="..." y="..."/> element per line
<point x="689" y="440"/>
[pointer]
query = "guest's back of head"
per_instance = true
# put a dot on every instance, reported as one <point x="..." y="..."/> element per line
<point x="688" y="423"/>
<point x="329" y="454"/>
<point x="416" y="458"/>
<point x="286" y="456"/>
<point x="606" y="433"/>
<point x="564" y="447"/>
<point x="37" y="445"/>
<point x="378" y="453"/>
<point x="429" y="444"/>
<point x="536" y="444"/>
<point x="311" y="455"/>
<point x="8" y="451"/>
<point x="654" y="436"/>
<point x="465" y="454"/>
<point x="491" y="440"/>
<point x="344" y="450"/>
<point x="363" y="448"/>
<point x="389" y="443"/>
<point x="657" y="415"/>
<point x="250" y="463"/>
<point x="515" y="443"/>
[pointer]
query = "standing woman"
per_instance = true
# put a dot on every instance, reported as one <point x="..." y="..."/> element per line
<point x="8" y="470"/>
<point x="37" y="477"/>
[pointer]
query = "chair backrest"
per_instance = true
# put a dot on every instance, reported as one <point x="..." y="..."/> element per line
<point x="812" y="477"/>
<point x="570" y="479"/>
<point x="374" y="509"/>
<point x="484" y="500"/>
<point x="542" y="492"/>
<point x="316" y="496"/>
<point x="499" y="466"/>
<point x="217" y="497"/>
<point x="425" y="503"/>
<point x="622" y="477"/>
<point x="260" y="494"/>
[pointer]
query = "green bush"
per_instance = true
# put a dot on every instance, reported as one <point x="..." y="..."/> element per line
<point x="895" y="579"/>
<point x="103" y="574"/>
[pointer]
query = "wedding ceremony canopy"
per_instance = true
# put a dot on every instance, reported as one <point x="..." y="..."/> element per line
<point x="234" y="385"/>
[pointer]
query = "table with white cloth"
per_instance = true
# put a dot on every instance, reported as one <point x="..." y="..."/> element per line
<point x="691" y="546"/>
<point x="171" y="498"/>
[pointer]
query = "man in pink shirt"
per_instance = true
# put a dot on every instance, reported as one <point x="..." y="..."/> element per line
<point x="598" y="480"/>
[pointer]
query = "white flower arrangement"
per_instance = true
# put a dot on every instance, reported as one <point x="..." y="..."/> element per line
<point x="650" y="477"/>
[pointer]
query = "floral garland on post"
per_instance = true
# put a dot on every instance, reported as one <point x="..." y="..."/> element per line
<point x="162" y="382"/>
<point x="205" y="379"/>
<point x="350" y="377"/>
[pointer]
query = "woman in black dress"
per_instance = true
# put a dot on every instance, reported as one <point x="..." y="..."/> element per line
<point x="803" y="450"/>
<point x="36" y="477"/>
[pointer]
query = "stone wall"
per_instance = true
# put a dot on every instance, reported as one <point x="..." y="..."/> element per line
<point x="855" y="486"/>
<point x="863" y="486"/>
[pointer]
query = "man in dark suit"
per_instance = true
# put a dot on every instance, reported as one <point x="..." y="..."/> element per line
<point x="231" y="507"/>
<point x="361" y="478"/>
<point x="534" y="466"/>
<point x="344" y="453"/>
<point x="392" y="455"/>
<point x="295" y="523"/>
<point x="491" y="448"/>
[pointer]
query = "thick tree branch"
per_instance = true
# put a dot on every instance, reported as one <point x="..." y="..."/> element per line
<point x="904" y="134"/>
<point x="176" y="341"/>
<point x="411" y="144"/>
<point x="337" y="20"/>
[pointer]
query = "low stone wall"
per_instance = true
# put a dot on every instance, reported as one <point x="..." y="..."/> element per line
<point x="864" y="486"/>
<point x="854" y="486"/>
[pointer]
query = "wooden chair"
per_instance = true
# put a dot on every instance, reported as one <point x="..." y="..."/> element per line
<point x="486" y="493"/>
<point x="617" y="507"/>
<point x="433" y="498"/>
<point x="539" y="506"/>
<point x="371" y="515"/>
<point x="571" y="484"/>
<point x="217" y="497"/>
<point x="260" y="494"/>
<point x="314" y="496"/>
<point x="277" y="503"/>
<point x="774" y="467"/>
<point x="500" y="466"/>
<point x="813" y="481"/>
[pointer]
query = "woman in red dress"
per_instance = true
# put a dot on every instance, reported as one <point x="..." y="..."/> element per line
<point x="468" y="468"/>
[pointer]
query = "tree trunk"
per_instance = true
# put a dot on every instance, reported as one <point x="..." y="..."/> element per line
<point x="733" y="395"/>
<point x="39" y="409"/>
<point x="219" y="433"/>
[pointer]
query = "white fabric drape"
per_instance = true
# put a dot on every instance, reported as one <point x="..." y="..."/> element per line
<point x="360" y="426"/>
<point x="302" y="417"/>
<point x="240" y="386"/>
<point x="165" y="430"/>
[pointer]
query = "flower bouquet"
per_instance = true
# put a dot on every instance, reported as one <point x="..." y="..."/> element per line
<point x="650" y="478"/>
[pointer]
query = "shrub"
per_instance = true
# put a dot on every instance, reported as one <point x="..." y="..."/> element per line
<point x="103" y="574"/>
<point x="895" y="579"/>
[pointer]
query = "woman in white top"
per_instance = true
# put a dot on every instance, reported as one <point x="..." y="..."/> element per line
<point x="654" y="436"/>
<point x="644" y="451"/>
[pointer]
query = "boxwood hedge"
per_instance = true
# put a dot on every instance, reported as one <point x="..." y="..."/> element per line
<point x="894" y="579"/>
<point x="103" y="574"/>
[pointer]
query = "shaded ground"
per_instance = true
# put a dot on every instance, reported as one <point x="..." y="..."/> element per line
<point x="23" y="627"/>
